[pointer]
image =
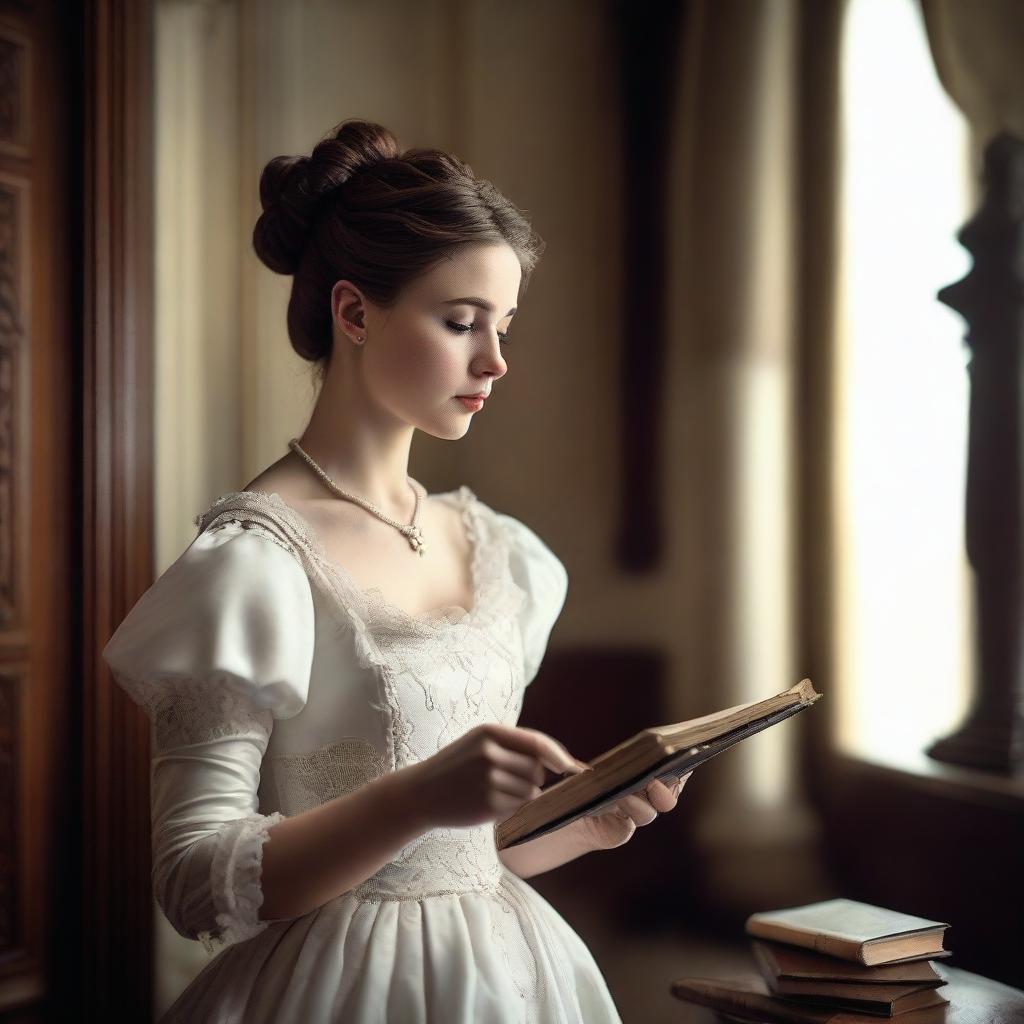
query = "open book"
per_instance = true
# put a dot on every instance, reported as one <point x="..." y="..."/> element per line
<point x="664" y="752"/>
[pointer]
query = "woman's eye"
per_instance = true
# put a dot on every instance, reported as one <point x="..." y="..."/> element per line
<point x="462" y="328"/>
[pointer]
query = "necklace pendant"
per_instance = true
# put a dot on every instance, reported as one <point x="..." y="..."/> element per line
<point x="416" y="540"/>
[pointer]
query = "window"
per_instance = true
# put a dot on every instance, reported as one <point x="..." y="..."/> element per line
<point x="904" y="607"/>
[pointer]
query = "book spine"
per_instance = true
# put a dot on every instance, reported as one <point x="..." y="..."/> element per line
<point x="830" y="945"/>
<point x="753" y="1006"/>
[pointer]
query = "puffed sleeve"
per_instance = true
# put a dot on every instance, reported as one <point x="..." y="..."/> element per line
<point x="216" y="650"/>
<point x="538" y="571"/>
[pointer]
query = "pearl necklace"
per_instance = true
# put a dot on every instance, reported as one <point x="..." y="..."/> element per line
<point x="412" y="532"/>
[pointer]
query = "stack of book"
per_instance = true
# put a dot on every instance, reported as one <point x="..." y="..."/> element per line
<point x="833" y="961"/>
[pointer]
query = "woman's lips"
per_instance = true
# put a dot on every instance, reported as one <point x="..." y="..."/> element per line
<point x="472" y="404"/>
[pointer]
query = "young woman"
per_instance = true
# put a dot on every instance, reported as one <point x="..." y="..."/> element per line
<point x="335" y="665"/>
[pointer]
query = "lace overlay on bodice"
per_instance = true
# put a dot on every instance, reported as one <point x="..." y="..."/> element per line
<point x="295" y="783"/>
<point x="441" y="862"/>
<point x="439" y="675"/>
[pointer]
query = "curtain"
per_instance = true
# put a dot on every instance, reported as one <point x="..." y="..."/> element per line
<point x="978" y="55"/>
<point x="755" y="229"/>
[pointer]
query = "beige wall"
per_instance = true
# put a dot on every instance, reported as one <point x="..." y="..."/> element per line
<point x="527" y="94"/>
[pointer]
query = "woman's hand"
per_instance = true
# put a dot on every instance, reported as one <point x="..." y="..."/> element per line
<point x="484" y="775"/>
<point x="616" y="826"/>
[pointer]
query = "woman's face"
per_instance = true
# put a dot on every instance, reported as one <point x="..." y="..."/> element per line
<point x="436" y="343"/>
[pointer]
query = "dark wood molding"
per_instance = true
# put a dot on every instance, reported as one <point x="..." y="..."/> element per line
<point x="117" y="516"/>
<point x="649" y="48"/>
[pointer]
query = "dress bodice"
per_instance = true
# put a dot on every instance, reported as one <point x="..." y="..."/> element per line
<point x="389" y="689"/>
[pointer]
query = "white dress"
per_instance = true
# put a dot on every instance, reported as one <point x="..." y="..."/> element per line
<point x="273" y="684"/>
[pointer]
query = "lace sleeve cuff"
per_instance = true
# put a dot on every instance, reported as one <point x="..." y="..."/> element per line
<point x="235" y="875"/>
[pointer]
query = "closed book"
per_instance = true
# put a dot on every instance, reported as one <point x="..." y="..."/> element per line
<point x="880" y="1000"/>
<point x="748" y="1000"/>
<point x="781" y="964"/>
<point x="664" y="752"/>
<point x="850" y="930"/>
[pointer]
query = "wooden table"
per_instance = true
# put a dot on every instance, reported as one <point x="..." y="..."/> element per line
<point x="973" y="999"/>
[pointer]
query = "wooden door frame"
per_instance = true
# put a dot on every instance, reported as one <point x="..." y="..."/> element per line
<point x="115" y="945"/>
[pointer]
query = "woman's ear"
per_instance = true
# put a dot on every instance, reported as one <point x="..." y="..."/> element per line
<point x="348" y="311"/>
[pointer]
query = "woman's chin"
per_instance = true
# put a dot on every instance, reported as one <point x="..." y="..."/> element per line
<point x="447" y="429"/>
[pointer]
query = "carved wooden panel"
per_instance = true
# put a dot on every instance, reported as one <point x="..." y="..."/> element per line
<point x="21" y="953"/>
<point x="9" y="705"/>
<point x="41" y="505"/>
<point x="15" y="74"/>
<point x="15" y="302"/>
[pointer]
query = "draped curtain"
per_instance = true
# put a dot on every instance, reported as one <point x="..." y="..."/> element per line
<point x="754" y="230"/>
<point x="978" y="56"/>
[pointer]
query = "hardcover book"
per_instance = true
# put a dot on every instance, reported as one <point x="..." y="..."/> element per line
<point x="850" y="930"/>
<point x="792" y="970"/>
<point x="746" y="1000"/>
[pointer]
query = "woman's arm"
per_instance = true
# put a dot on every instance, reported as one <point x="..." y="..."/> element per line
<point x="315" y="856"/>
<point x="548" y="851"/>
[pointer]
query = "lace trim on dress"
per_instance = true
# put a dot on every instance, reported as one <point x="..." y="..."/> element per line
<point x="186" y="709"/>
<point x="441" y="862"/>
<point x="375" y="620"/>
<point x="262" y="529"/>
<point x="235" y="878"/>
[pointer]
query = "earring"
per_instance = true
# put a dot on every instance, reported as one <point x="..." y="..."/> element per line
<point x="360" y="340"/>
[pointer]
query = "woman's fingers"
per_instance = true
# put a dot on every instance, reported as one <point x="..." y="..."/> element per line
<point x="655" y="799"/>
<point x="514" y="785"/>
<point x="664" y="798"/>
<point x="521" y="764"/>
<point x="545" y="748"/>
<point x="661" y="798"/>
<point x="637" y="808"/>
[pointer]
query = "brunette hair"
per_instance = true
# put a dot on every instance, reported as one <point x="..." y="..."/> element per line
<point x="360" y="208"/>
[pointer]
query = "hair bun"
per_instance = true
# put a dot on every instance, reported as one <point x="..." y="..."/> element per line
<point x="291" y="187"/>
<point x="282" y="229"/>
